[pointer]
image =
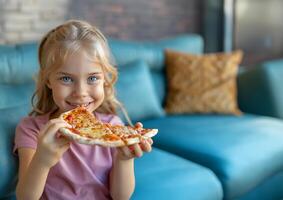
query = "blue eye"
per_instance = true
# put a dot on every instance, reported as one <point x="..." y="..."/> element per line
<point x="92" y="79"/>
<point x="66" y="79"/>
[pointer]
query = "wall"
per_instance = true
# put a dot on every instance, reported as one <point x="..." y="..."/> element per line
<point x="25" y="20"/>
<point x="140" y="19"/>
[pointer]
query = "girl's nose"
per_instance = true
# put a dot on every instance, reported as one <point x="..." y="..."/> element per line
<point x="80" y="90"/>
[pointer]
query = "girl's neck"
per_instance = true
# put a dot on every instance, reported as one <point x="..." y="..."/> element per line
<point x="54" y="114"/>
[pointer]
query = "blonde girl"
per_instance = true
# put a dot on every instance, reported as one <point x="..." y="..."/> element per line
<point x="75" y="69"/>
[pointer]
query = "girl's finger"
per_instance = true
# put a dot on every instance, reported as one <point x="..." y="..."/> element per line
<point x="138" y="125"/>
<point x="65" y="147"/>
<point x="62" y="141"/>
<point x="119" y="150"/>
<point x="137" y="150"/>
<point x="145" y="146"/>
<point x="150" y="141"/>
<point x="52" y="123"/>
<point x="54" y="128"/>
<point x="127" y="152"/>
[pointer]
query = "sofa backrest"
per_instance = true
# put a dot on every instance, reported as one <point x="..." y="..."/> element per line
<point x="260" y="89"/>
<point x="152" y="51"/>
<point x="18" y="65"/>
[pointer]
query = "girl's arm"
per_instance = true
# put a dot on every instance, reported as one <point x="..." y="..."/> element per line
<point x="122" y="176"/>
<point x="32" y="175"/>
<point x="122" y="179"/>
<point x="34" y="165"/>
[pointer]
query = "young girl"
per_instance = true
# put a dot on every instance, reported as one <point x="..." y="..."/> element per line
<point x="74" y="70"/>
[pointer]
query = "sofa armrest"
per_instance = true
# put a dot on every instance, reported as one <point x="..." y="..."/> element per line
<point x="260" y="89"/>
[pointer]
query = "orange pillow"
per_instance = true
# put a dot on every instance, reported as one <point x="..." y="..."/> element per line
<point x="202" y="83"/>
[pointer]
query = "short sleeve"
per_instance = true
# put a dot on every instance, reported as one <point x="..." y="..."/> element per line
<point x="26" y="134"/>
<point x="109" y="118"/>
<point x="115" y="120"/>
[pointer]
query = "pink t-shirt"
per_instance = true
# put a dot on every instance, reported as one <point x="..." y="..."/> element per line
<point x="82" y="172"/>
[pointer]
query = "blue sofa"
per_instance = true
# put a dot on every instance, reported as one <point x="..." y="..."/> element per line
<point x="205" y="157"/>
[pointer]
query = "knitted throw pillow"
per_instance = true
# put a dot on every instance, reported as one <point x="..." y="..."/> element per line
<point x="202" y="83"/>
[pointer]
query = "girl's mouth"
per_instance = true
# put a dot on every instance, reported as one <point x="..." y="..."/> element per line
<point x="79" y="104"/>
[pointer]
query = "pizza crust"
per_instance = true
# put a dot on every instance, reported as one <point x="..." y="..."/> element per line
<point x="151" y="133"/>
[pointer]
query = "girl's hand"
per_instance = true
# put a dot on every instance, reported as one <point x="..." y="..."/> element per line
<point x="135" y="150"/>
<point x="51" y="146"/>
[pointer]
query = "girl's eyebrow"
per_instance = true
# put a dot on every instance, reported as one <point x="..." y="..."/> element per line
<point x="95" y="73"/>
<point x="92" y="73"/>
<point x="64" y="73"/>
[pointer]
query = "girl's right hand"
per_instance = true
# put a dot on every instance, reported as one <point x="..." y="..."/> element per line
<point x="51" y="146"/>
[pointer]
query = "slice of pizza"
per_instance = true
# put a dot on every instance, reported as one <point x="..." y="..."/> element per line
<point x="87" y="129"/>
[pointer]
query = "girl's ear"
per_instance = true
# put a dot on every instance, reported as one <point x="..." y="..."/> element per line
<point x="48" y="84"/>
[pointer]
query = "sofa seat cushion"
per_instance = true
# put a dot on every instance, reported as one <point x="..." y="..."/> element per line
<point x="242" y="151"/>
<point x="161" y="175"/>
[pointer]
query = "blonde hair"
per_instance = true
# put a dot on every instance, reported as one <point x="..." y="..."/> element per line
<point x="59" y="43"/>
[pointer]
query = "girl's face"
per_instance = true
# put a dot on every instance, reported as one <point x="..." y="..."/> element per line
<point x="77" y="82"/>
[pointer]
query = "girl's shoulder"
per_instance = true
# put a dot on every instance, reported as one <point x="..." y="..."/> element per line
<point x="33" y="122"/>
<point x="27" y="131"/>
<point x="108" y="118"/>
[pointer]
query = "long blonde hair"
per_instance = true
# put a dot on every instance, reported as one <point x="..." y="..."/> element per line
<point x="59" y="43"/>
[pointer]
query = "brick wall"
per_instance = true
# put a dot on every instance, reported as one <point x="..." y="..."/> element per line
<point x="140" y="19"/>
<point x="25" y="20"/>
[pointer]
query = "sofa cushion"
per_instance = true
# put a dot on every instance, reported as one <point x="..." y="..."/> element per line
<point x="270" y="189"/>
<point x="13" y="95"/>
<point x="260" y="89"/>
<point x="181" y="179"/>
<point x="160" y="85"/>
<point x="18" y="64"/>
<point x="202" y="83"/>
<point x="136" y="91"/>
<point x="242" y="151"/>
<point x="152" y="51"/>
<point x="9" y="118"/>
